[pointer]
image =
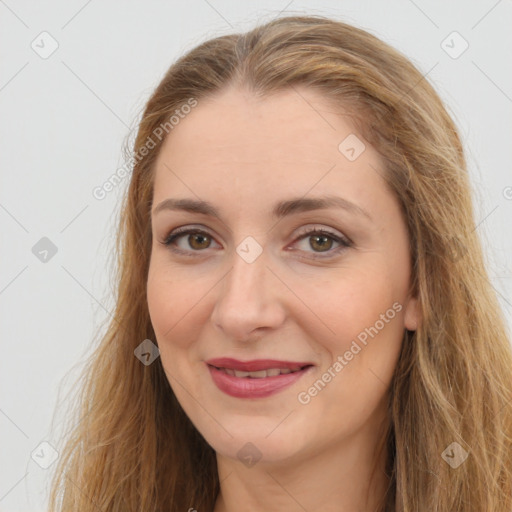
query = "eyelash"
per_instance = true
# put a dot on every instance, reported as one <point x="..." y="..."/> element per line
<point x="345" y="243"/>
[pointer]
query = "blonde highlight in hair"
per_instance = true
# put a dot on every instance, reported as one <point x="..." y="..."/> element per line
<point x="135" y="449"/>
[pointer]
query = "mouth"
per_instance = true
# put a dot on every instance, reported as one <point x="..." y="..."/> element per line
<point x="255" y="379"/>
<point x="260" y="374"/>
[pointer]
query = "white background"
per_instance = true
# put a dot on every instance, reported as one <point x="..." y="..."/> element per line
<point x="63" y="122"/>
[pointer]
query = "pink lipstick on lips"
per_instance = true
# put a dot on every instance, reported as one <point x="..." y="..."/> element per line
<point x="255" y="379"/>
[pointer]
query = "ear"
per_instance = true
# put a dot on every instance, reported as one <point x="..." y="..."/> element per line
<point x="412" y="315"/>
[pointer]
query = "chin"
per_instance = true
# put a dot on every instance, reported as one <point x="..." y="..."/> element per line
<point x="254" y="451"/>
<point x="254" y="438"/>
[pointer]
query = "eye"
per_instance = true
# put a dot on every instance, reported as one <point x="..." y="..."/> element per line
<point x="320" y="240"/>
<point x="197" y="239"/>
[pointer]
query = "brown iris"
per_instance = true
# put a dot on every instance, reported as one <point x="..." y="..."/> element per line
<point x="323" y="246"/>
<point x="200" y="238"/>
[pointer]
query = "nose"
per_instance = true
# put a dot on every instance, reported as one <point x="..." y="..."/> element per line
<point x="249" y="301"/>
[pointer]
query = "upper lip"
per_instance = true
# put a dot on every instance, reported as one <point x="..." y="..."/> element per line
<point x="255" y="365"/>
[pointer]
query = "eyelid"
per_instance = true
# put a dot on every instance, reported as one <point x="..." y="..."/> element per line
<point x="315" y="228"/>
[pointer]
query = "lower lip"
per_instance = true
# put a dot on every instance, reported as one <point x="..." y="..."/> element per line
<point x="247" y="387"/>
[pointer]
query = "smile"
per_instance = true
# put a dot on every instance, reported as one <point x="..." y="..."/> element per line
<point x="255" y="379"/>
<point x="271" y="372"/>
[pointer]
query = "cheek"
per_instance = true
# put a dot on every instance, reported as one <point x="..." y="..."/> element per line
<point x="360" y="358"/>
<point x="172" y="305"/>
<point x="365" y="312"/>
<point x="349" y="305"/>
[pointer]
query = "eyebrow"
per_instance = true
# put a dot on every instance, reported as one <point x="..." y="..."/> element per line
<point x="281" y="209"/>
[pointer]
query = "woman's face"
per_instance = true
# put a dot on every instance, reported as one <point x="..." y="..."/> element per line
<point x="267" y="278"/>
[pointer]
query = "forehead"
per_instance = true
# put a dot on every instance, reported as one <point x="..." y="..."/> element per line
<point x="285" y="142"/>
<point x="240" y="122"/>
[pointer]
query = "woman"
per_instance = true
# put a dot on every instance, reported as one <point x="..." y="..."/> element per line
<point x="298" y="240"/>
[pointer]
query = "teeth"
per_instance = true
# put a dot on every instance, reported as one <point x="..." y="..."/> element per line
<point x="258" y="375"/>
<point x="271" y="372"/>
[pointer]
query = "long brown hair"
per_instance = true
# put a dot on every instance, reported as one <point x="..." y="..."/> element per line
<point x="134" y="449"/>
